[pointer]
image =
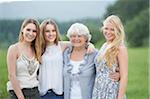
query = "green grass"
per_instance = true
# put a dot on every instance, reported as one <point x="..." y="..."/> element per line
<point x="3" y="75"/>
<point x="138" y="74"/>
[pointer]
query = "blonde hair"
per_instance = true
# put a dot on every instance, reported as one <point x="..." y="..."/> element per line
<point x="112" y="51"/>
<point x="42" y="33"/>
<point x="35" y="42"/>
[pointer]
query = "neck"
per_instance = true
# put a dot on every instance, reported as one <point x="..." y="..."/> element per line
<point x="26" y="44"/>
<point x="50" y="43"/>
<point x="82" y="48"/>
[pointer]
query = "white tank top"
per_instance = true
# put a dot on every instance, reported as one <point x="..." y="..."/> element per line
<point x="50" y="73"/>
<point x="26" y="72"/>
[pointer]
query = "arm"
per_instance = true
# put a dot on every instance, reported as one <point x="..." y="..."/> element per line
<point x="90" y="48"/>
<point x="115" y="76"/>
<point x="123" y="64"/>
<point x="11" y="63"/>
<point x="65" y="44"/>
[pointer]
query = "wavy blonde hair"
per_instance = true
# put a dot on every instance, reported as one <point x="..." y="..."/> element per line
<point x="35" y="42"/>
<point x="112" y="51"/>
<point x="42" y="37"/>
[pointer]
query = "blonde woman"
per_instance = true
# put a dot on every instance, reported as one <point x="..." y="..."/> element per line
<point x="112" y="54"/>
<point x="23" y="64"/>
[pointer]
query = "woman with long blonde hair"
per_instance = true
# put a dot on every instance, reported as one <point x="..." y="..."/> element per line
<point x="113" y="54"/>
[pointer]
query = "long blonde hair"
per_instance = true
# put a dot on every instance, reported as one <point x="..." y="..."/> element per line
<point x="112" y="51"/>
<point x="35" y="42"/>
<point x="42" y="33"/>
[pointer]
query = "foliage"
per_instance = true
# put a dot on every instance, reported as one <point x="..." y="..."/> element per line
<point x="138" y="29"/>
<point x="135" y="17"/>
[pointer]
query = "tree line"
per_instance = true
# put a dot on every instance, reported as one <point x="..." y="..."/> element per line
<point x="133" y="13"/>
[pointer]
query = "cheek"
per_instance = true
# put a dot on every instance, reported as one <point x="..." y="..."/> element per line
<point x="46" y="35"/>
<point x="85" y="40"/>
<point x="54" y="34"/>
<point x="35" y="34"/>
<point x="71" y="40"/>
<point x="104" y="31"/>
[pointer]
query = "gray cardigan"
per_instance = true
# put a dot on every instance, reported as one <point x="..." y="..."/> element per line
<point x="87" y="73"/>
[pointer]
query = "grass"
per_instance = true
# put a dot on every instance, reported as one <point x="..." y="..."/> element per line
<point x="3" y="75"/>
<point x="138" y="74"/>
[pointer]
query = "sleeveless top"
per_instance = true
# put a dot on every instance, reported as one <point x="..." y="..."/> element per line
<point x="26" y="72"/>
<point x="50" y="72"/>
<point x="104" y="87"/>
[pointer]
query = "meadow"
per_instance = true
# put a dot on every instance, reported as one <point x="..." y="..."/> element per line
<point x="137" y="81"/>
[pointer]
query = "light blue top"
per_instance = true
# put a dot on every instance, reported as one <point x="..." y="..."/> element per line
<point x="86" y="74"/>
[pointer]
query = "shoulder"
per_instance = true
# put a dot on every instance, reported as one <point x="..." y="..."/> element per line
<point x="122" y="49"/>
<point x="68" y="49"/>
<point x="94" y="53"/>
<point x="13" y="47"/>
<point x="13" y="50"/>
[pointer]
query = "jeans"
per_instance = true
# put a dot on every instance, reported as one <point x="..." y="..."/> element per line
<point x="51" y="95"/>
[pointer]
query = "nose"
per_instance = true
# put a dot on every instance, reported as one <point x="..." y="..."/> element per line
<point x="30" y="32"/>
<point x="107" y="31"/>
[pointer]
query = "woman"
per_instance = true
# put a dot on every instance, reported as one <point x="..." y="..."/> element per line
<point x="23" y="64"/>
<point x="79" y="69"/>
<point x="113" y="54"/>
<point x="50" y="72"/>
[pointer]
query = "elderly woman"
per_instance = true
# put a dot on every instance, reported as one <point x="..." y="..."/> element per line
<point x="79" y="69"/>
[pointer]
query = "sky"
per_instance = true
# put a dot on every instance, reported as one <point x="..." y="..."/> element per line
<point x="61" y="10"/>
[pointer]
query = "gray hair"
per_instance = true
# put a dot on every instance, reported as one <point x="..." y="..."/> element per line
<point x="80" y="29"/>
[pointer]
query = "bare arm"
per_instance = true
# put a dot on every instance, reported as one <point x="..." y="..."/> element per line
<point x="65" y="44"/>
<point x="123" y="64"/>
<point x="11" y="63"/>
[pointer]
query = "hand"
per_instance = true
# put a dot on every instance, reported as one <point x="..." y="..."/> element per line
<point x="115" y="76"/>
<point x="90" y="48"/>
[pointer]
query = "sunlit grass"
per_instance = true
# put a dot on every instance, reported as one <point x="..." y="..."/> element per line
<point x="138" y="74"/>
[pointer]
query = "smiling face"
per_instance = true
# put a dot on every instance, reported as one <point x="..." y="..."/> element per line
<point x="78" y="40"/>
<point x="50" y="34"/>
<point x="29" y="32"/>
<point x="109" y="32"/>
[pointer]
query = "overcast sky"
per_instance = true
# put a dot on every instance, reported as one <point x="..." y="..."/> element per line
<point x="59" y="9"/>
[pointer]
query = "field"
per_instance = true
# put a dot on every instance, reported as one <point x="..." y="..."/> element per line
<point x="138" y="74"/>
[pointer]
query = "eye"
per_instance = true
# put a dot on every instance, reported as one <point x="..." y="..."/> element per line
<point x="106" y="28"/>
<point x="28" y="29"/>
<point x="34" y="31"/>
<point x="47" y="31"/>
<point x="53" y="30"/>
<point x="72" y="36"/>
<point x="79" y="35"/>
<point x="112" y="29"/>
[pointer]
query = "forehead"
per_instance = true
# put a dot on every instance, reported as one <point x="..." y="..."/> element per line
<point x="76" y="34"/>
<point x="108" y="24"/>
<point x="50" y="26"/>
<point x="30" y="25"/>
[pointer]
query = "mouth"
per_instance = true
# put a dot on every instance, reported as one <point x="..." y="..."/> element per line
<point x="51" y="37"/>
<point x="30" y="36"/>
<point x="108" y="35"/>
